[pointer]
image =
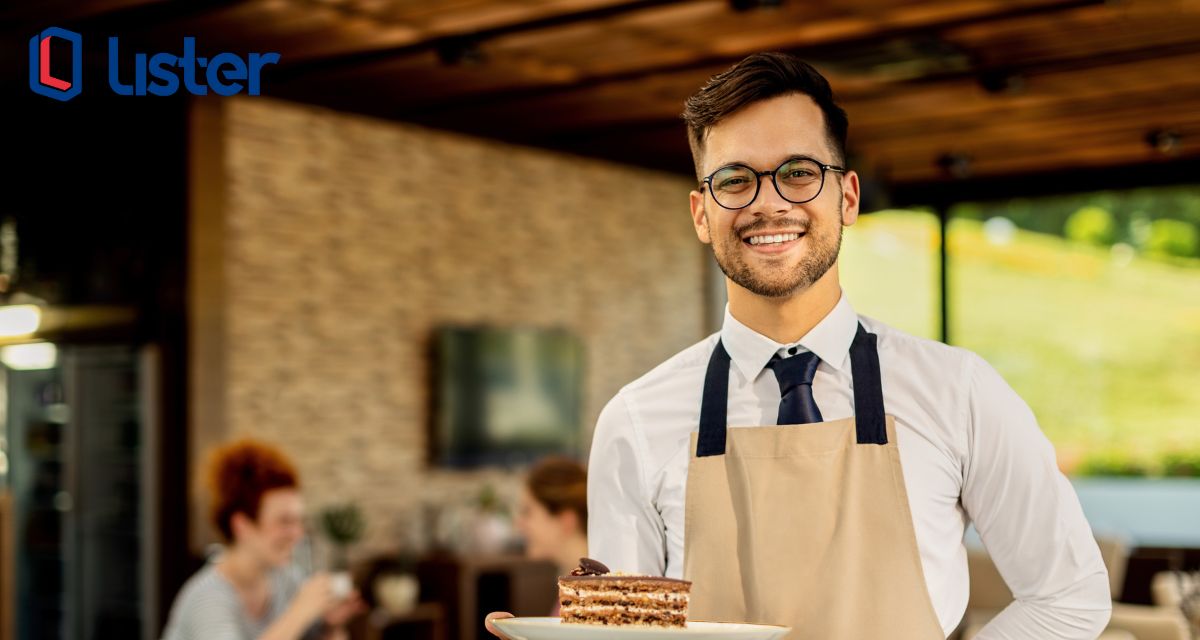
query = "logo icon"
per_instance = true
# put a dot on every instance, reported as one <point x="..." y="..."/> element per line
<point x="41" y="78"/>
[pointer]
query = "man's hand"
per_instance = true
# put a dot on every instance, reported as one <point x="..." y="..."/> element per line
<point x="495" y="615"/>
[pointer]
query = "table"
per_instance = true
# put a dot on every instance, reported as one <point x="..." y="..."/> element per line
<point x="381" y="624"/>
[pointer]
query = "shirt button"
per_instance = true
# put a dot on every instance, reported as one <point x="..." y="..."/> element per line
<point x="792" y="351"/>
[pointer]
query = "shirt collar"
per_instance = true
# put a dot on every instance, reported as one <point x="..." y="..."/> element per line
<point x="830" y="339"/>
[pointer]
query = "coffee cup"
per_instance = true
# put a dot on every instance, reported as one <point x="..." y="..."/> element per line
<point x="341" y="584"/>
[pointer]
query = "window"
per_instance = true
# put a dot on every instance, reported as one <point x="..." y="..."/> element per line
<point x="889" y="270"/>
<point x="1089" y="305"/>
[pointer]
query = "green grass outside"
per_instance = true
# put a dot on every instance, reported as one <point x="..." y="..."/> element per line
<point x="1105" y="350"/>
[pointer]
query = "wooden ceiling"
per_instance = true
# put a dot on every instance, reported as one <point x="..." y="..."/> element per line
<point x="987" y="88"/>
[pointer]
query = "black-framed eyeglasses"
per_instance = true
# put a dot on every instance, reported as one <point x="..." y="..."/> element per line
<point x="797" y="180"/>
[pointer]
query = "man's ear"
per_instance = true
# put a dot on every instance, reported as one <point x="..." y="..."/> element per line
<point x="850" y="198"/>
<point x="699" y="220"/>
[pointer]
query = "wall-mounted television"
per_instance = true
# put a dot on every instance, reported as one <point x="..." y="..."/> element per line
<point x="505" y="396"/>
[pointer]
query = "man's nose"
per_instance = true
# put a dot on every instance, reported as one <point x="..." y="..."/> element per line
<point x="768" y="202"/>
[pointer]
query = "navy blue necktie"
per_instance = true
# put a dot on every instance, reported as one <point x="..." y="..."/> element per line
<point x="795" y="375"/>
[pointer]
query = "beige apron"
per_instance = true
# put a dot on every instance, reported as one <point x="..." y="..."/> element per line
<point x="806" y="526"/>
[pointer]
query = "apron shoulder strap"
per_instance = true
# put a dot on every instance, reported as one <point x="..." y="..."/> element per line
<point x="868" y="388"/>
<point x="711" y="439"/>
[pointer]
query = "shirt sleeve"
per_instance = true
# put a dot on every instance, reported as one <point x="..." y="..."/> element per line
<point x="625" y="529"/>
<point x="1030" y="520"/>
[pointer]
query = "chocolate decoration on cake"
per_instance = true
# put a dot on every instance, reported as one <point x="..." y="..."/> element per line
<point x="589" y="567"/>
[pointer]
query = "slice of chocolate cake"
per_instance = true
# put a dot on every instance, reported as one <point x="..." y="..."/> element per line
<point x="594" y="595"/>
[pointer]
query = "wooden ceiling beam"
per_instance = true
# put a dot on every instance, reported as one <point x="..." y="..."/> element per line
<point x="810" y="41"/>
<point x="1084" y="60"/>
<point x="994" y="145"/>
<point x="358" y="28"/>
<point x="1014" y="139"/>
<point x="907" y="161"/>
<point x="933" y="107"/>
<point x="1060" y="72"/>
<point x="943" y="191"/>
<point x="985" y="137"/>
<point x="952" y="100"/>
<point x="1020" y="166"/>
<point x="539" y="19"/>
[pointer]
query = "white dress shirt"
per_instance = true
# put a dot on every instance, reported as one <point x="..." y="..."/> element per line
<point x="971" y="451"/>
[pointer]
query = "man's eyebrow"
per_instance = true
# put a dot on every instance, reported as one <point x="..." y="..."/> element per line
<point x="790" y="156"/>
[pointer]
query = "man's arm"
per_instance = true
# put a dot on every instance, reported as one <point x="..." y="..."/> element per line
<point x="625" y="530"/>
<point x="1029" y="518"/>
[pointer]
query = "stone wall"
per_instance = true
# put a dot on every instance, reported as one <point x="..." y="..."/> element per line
<point x="326" y="249"/>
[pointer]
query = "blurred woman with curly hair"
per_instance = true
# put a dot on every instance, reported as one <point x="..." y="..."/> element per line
<point x="252" y="590"/>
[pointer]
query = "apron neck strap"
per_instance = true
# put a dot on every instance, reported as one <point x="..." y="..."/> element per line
<point x="870" y="423"/>
<point x="711" y="440"/>
<point x="868" y="388"/>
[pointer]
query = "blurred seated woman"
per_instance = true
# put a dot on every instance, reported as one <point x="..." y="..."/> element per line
<point x="252" y="590"/>
<point x="552" y="515"/>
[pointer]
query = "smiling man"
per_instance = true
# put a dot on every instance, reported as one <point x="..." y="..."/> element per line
<point x="810" y="467"/>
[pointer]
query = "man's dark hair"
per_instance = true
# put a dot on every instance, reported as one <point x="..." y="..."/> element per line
<point x="759" y="77"/>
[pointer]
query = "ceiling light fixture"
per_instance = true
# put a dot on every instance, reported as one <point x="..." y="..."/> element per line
<point x="30" y="356"/>
<point x="955" y="165"/>
<point x="1002" y="81"/>
<point x="18" y="320"/>
<point x="1164" y="141"/>
<point x="462" y="51"/>
<point x="742" y="6"/>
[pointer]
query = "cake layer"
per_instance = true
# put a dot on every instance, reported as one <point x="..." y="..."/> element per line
<point x="628" y="608"/>
<point x="661" y="600"/>
<point x="624" y="616"/>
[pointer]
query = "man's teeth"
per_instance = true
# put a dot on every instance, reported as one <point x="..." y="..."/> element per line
<point x="775" y="239"/>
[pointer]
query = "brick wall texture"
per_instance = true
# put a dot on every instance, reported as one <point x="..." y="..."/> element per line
<point x="347" y="240"/>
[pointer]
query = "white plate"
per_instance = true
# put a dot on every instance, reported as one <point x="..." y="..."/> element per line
<point x="550" y="629"/>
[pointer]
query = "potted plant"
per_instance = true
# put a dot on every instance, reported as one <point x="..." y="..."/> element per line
<point x="490" y="526"/>
<point x="344" y="525"/>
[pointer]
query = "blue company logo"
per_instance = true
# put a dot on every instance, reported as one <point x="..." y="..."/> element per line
<point x="159" y="74"/>
<point x="41" y="80"/>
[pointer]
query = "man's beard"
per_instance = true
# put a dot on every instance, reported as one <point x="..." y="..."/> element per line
<point x="821" y="255"/>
